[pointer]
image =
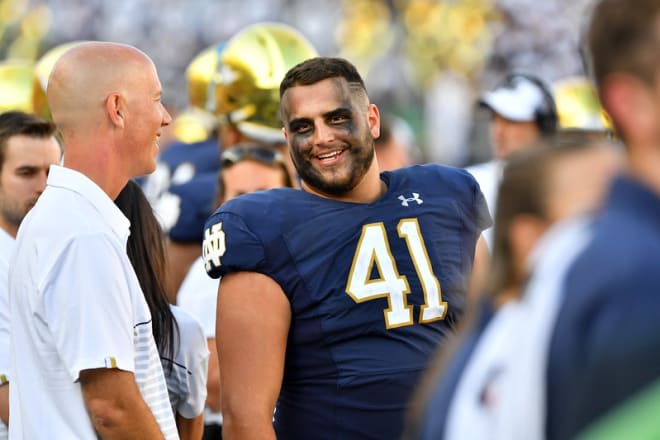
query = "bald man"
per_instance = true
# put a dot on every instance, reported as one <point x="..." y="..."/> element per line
<point x="85" y="359"/>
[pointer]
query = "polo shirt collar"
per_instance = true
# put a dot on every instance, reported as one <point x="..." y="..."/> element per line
<point x="72" y="180"/>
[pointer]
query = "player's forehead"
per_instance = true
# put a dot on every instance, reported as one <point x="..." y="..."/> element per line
<point x="307" y="101"/>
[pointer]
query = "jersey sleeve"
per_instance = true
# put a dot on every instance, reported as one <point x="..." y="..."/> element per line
<point x="88" y="306"/>
<point x="472" y="201"/>
<point x="483" y="219"/>
<point x="230" y="245"/>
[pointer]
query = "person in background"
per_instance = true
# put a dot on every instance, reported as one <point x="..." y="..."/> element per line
<point x="394" y="146"/>
<point x="179" y="337"/>
<point x="473" y="383"/>
<point x="236" y="82"/>
<point x="333" y="297"/>
<point x="85" y="360"/>
<point x="522" y="111"/>
<point x="245" y="169"/>
<point x="27" y="149"/>
<point x="181" y="190"/>
<point x="602" y="353"/>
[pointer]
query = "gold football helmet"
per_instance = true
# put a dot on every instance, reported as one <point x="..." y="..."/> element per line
<point x="244" y="89"/>
<point x="578" y="106"/>
<point x="200" y="73"/>
<point x="16" y="85"/>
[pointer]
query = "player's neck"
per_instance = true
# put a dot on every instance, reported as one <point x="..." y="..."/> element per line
<point x="644" y="166"/>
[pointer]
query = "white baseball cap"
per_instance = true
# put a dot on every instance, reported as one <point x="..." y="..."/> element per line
<point x="518" y="99"/>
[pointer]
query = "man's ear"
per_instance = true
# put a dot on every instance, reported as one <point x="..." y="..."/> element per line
<point x="373" y="116"/>
<point x="620" y="93"/>
<point x="114" y="107"/>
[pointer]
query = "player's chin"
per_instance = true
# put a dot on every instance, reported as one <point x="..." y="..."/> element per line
<point x="338" y="184"/>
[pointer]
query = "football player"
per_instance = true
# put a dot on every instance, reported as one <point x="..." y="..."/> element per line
<point x="333" y="298"/>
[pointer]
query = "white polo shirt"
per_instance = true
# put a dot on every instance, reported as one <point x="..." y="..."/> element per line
<point x="76" y="305"/>
<point x="6" y="250"/>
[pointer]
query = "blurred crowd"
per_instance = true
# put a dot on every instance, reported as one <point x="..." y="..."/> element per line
<point x="423" y="60"/>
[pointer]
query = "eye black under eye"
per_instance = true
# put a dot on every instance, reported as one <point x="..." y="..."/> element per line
<point x="299" y="127"/>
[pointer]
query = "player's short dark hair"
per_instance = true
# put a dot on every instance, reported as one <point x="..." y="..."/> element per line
<point x="14" y="123"/>
<point x="317" y="69"/>
<point x="624" y="36"/>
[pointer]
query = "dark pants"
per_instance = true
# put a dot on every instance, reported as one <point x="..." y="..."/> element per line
<point x="212" y="432"/>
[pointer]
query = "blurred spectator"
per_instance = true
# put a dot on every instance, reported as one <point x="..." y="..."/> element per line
<point x="395" y="147"/>
<point x="478" y="389"/>
<point x="522" y="111"/>
<point x="601" y="353"/>
<point x="27" y="149"/>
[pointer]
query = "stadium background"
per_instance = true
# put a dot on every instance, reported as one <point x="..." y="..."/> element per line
<point x="423" y="60"/>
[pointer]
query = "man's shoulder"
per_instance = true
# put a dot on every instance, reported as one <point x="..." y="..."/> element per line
<point x="431" y="176"/>
<point x="255" y="205"/>
<point x="618" y="263"/>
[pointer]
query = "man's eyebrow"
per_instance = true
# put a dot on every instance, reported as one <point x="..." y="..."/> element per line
<point x="26" y="168"/>
<point x="341" y="111"/>
<point x="298" y="121"/>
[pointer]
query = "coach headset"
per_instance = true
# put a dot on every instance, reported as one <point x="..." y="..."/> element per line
<point x="546" y="114"/>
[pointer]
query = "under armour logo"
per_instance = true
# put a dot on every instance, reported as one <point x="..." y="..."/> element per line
<point x="414" y="198"/>
<point x="214" y="246"/>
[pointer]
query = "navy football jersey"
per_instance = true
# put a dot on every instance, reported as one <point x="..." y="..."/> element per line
<point x="185" y="207"/>
<point x="179" y="163"/>
<point x="374" y="288"/>
<point x="182" y="189"/>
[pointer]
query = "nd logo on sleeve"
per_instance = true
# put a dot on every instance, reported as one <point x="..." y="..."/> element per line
<point x="214" y="246"/>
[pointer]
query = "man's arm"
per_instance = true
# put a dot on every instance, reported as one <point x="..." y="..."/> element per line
<point x="252" y="327"/>
<point x="190" y="429"/>
<point x="116" y="406"/>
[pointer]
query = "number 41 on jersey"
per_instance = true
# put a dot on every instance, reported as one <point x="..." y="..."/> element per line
<point x="374" y="248"/>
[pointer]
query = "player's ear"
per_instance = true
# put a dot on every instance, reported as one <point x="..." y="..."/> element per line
<point x="114" y="107"/>
<point x="373" y="117"/>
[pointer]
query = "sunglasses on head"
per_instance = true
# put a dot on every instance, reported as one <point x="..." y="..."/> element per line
<point x="267" y="156"/>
